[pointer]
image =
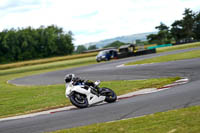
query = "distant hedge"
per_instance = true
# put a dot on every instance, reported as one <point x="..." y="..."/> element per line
<point x="29" y="43"/>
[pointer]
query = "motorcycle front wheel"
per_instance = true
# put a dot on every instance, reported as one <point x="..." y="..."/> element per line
<point x="79" y="100"/>
<point x="110" y="96"/>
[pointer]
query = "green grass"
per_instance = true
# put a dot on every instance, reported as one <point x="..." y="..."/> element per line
<point x="126" y="86"/>
<point x="176" y="121"/>
<point x="177" y="47"/>
<point x="15" y="100"/>
<point x="166" y="58"/>
<point x="51" y="66"/>
<point x="45" y="60"/>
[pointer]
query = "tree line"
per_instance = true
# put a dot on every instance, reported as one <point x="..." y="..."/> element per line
<point x="82" y="48"/>
<point x="29" y="43"/>
<point x="181" y="31"/>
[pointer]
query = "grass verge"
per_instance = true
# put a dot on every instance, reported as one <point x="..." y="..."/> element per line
<point x="47" y="60"/>
<point x="51" y="66"/>
<point x="176" y="121"/>
<point x="166" y="58"/>
<point x="177" y="47"/>
<point x="15" y="100"/>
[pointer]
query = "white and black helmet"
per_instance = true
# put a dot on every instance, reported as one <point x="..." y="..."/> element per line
<point x="69" y="78"/>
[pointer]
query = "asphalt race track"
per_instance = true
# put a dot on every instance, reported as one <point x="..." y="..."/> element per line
<point x="110" y="71"/>
<point x="178" y="97"/>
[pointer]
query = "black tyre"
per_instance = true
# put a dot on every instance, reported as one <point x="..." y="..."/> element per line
<point x="110" y="96"/>
<point x="79" y="100"/>
<point x="107" y="58"/>
<point x="98" y="60"/>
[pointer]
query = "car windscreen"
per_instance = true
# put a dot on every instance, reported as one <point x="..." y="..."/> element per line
<point x="102" y="53"/>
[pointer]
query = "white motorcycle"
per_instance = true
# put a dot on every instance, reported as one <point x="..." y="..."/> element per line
<point x="82" y="95"/>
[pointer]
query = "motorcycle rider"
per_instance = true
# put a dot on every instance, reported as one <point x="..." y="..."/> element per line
<point x="78" y="81"/>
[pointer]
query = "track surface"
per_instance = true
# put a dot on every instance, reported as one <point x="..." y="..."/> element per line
<point x="109" y="71"/>
<point x="177" y="97"/>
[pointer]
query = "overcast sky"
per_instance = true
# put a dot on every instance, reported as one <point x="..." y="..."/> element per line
<point x="94" y="20"/>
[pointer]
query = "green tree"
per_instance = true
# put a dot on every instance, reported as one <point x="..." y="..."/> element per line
<point x="115" y="44"/>
<point x="153" y="38"/>
<point x="162" y="37"/>
<point x="196" y="29"/>
<point x="183" y="30"/>
<point x="92" y="47"/>
<point x="188" y="24"/>
<point x="138" y="42"/>
<point x="80" y="49"/>
<point x="176" y="31"/>
<point x="162" y="27"/>
<point x="29" y="43"/>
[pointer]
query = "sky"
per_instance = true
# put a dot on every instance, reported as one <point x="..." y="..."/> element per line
<point x="94" y="20"/>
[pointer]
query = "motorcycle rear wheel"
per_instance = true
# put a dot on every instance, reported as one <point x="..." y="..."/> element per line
<point x="79" y="100"/>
